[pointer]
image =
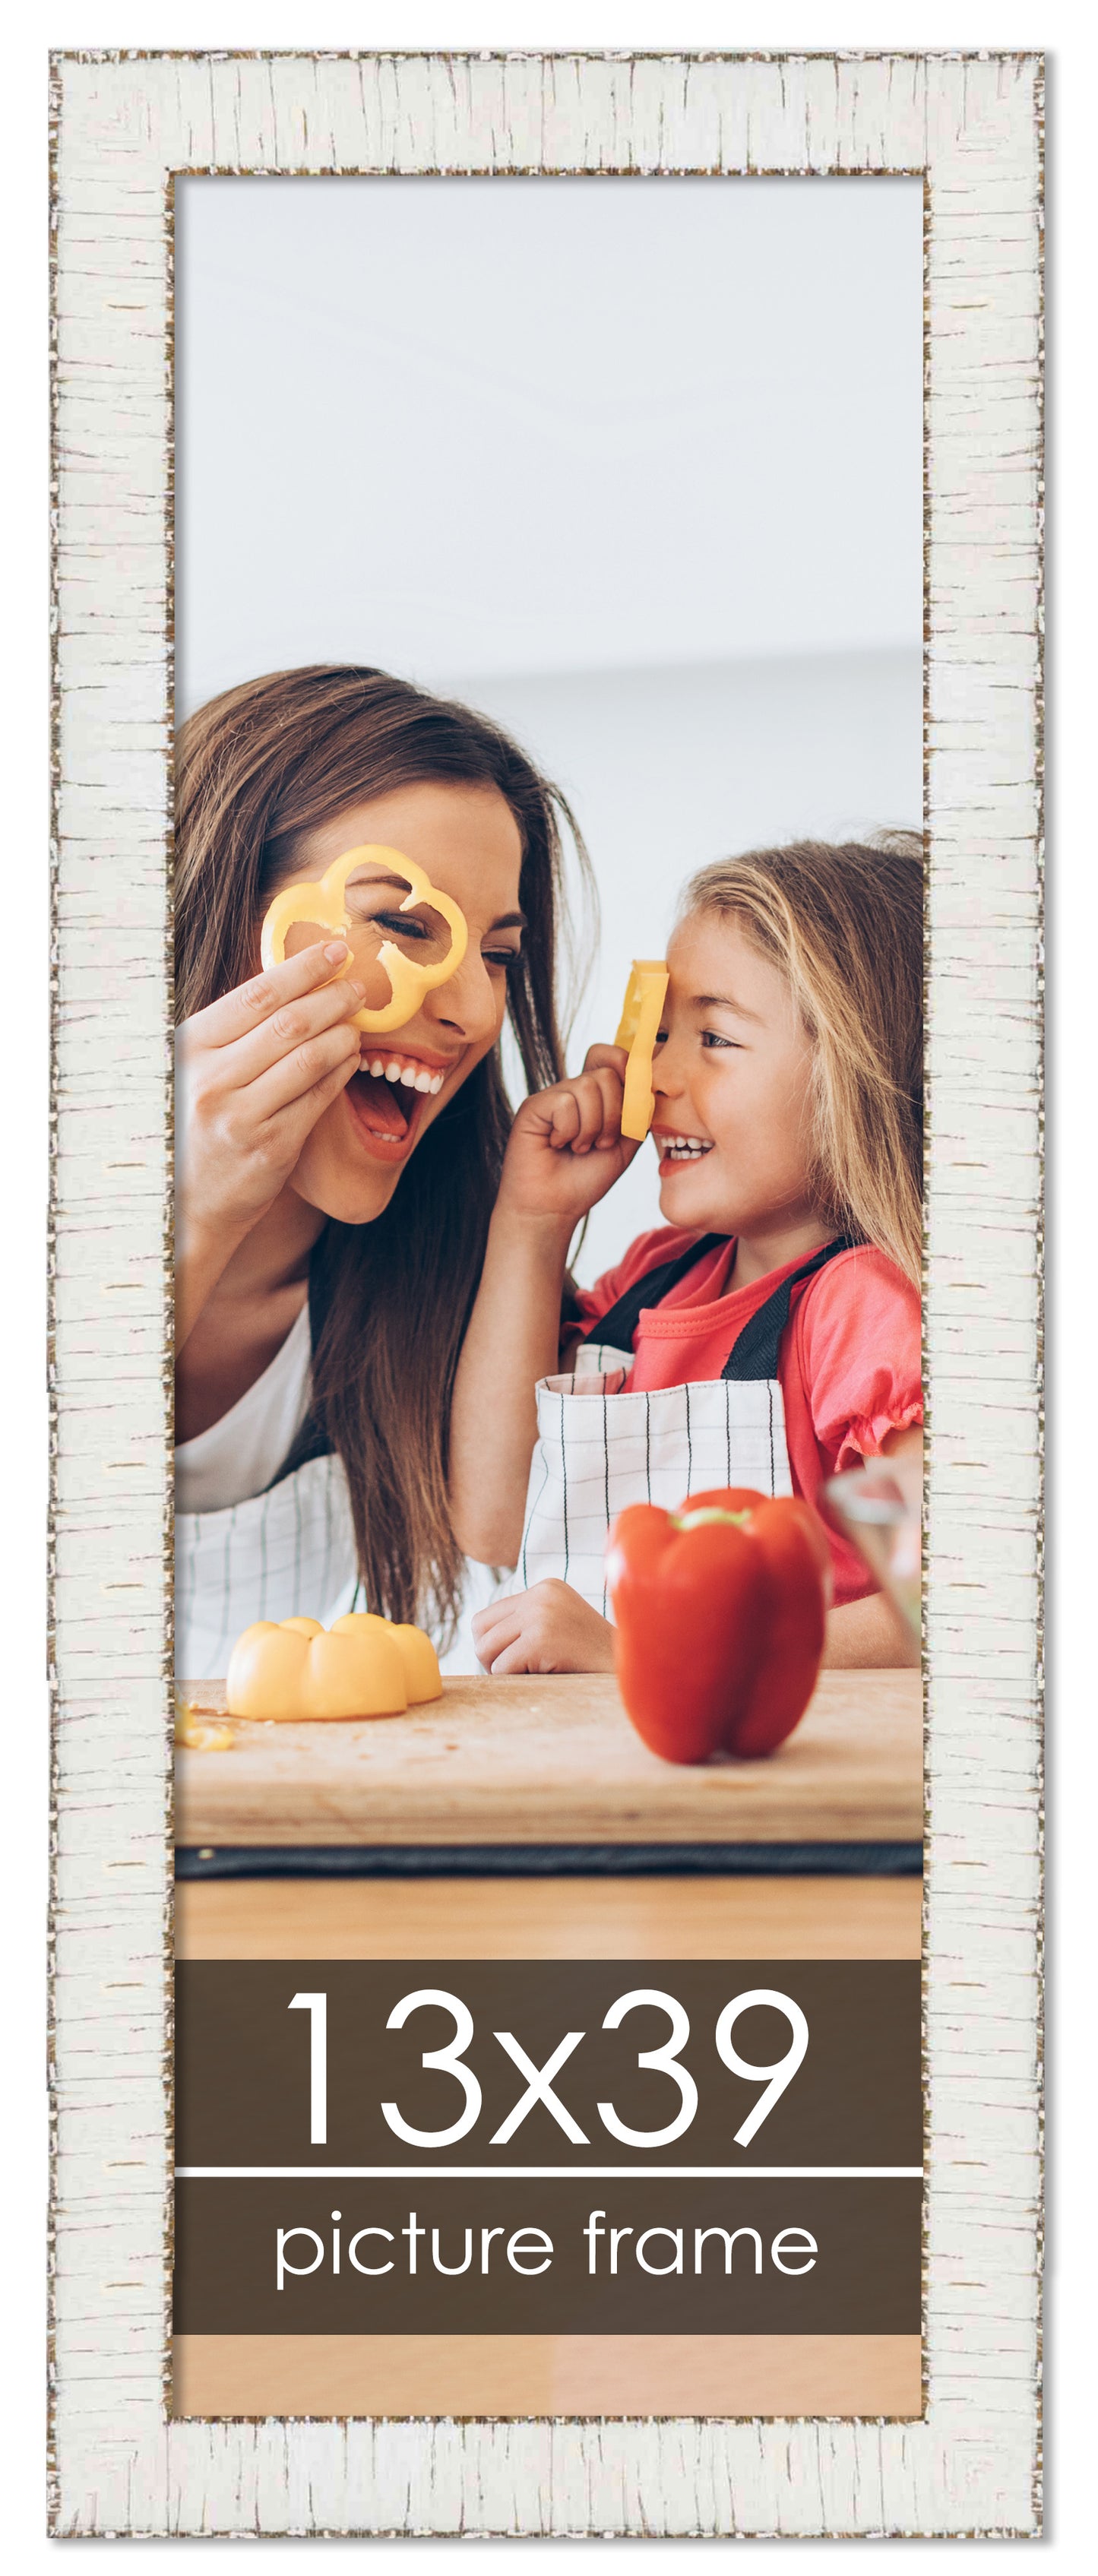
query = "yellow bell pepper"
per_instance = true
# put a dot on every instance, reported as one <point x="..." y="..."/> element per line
<point x="362" y="1666"/>
<point x="323" y="900"/>
<point x="638" y="1029"/>
<point x="422" y="1677"/>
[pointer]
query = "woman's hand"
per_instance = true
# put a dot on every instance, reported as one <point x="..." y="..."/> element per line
<point x="549" y="1629"/>
<point x="254" y="1072"/>
<point x="870" y="1631"/>
<point x="566" y="1148"/>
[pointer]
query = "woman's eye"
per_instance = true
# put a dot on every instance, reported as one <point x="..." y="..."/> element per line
<point x="501" y="956"/>
<point x="403" y="925"/>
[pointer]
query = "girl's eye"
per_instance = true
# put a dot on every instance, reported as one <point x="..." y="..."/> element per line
<point x="713" y="1038"/>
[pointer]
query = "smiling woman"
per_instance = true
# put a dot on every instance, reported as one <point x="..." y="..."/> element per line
<point x="334" y="1184"/>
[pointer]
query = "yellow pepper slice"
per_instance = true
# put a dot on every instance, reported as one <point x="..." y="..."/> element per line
<point x="638" y="1029"/>
<point x="199" y="1731"/>
<point x="363" y="1666"/>
<point x="323" y="900"/>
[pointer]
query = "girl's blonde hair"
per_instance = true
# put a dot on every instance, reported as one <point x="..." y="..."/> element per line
<point x="844" y="921"/>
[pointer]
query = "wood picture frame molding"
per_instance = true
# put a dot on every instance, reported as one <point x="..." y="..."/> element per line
<point x="124" y="126"/>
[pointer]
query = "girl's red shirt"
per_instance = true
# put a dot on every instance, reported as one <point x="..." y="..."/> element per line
<point x="849" y="1362"/>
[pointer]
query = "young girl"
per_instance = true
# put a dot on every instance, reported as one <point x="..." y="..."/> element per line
<point x="769" y="1334"/>
<point x="333" y="1190"/>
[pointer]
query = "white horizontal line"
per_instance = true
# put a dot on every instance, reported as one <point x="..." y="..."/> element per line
<point x="547" y="2173"/>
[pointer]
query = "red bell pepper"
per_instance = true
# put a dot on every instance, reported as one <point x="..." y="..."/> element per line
<point x="719" y="1610"/>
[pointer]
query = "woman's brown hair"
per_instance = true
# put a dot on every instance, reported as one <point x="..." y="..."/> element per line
<point x="844" y="921"/>
<point x="258" y="768"/>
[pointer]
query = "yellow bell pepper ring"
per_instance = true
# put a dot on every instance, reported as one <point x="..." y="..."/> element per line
<point x="324" y="900"/>
<point x="363" y="1666"/>
<point x="638" y="1029"/>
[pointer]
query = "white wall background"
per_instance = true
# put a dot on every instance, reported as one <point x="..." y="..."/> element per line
<point x="636" y="467"/>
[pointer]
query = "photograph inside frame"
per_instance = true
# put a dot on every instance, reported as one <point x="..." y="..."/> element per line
<point x="549" y="912"/>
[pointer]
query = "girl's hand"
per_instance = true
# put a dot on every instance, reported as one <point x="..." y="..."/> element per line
<point x="254" y="1072"/>
<point x="549" y="1629"/>
<point x="566" y="1148"/>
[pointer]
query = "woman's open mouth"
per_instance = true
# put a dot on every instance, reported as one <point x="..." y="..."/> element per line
<point x="387" y="1098"/>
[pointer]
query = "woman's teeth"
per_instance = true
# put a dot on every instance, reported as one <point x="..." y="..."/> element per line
<point x="684" y="1149"/>
<point x="414" y="1076"/>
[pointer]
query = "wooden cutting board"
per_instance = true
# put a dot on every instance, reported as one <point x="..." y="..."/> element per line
<point x="554" y="1759"/>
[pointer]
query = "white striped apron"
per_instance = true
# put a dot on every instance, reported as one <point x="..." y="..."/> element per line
<point x="602" y="1446"/>
<point x="285" y="1554"/>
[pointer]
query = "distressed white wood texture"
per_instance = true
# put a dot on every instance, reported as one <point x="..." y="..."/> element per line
<point x="973" y="125"/>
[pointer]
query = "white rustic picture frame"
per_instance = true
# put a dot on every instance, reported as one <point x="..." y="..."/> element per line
<point x="123" y="127"/>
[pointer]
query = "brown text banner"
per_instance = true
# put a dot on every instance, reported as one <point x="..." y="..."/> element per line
<point x="643" y="2256"/>
<point x="533" y="2063"/>
<point x="544" y="2147"/>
